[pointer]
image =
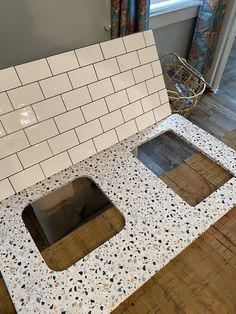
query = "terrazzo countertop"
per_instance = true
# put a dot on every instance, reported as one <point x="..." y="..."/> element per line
<point x="158" y="226"/>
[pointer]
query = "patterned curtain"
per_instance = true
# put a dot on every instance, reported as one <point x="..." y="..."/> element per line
<point x="129" y="16"/>
<point x="206" y="34"/>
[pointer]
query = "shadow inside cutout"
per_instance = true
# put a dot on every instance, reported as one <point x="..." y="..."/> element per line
<point x="186" y="170"/>
<point x="71" y="222"/>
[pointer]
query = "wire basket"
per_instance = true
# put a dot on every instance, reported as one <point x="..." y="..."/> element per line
<point x="185" y="85"/>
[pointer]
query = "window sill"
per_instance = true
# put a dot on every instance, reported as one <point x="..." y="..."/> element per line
<point x="174" y="14"/>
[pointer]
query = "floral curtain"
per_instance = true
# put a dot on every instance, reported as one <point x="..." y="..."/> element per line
<point x="129" y="16"/>
<point x="208" y="27"/>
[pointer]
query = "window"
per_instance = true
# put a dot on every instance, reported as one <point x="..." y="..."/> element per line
<point x="163" y="6"/>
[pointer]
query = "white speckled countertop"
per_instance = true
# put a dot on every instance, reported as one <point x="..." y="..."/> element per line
<point x="159" y="225"/>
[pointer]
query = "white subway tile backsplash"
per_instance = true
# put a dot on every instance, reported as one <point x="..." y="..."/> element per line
<point x="123" y="80"/>
<point x="6" y="189"/>
<point x="41" y="131"/>
<point x="101" y="89"/>
<point x="56" y="164"/>
<point x="151" y="102"/>
<point x="83" y="76"/>
<point x="8" y="79"/>
<point x="137" y="92"/>
<point x="111" y="120"/>
<point x="105" y="140"/>
<point x="63" y="142"/>
<point x="156" y="66"/>
<point x="25" y="95"/>
<point x="89" y="55"/>
<point x="63" y="62"/>
<point x="128" y="61"/>
<point x="94" y="110"/>
<point x="133" y="110"/>
<point x="134" y="42"/>
<point x="155" y="84"/>
<point x="34" y="154"/>
<point x="142" y="73"/>
<point x="49" y="108"/>
<point x="5" y="105"/>
<point x="113" y="48"/>
<point x="69" y="120"/>
<point x="163" y="96"/>
<point x="117" y="100"/>
<point x="9" y="166"/>
<point x="125" y="130"/>
<point x="55" y="85"/>
<point x="149" y="37"/>
<point x="2" y="131"/>
<point x="33" y="71"/>
<point x="18" y="119"/>
<point x="26" y="178"/>
<point x="13" y="143"/>
<point x="76" y="98"/>
<point x="82" y="151"/>
<point x="145" y="120"/>
<point x="162" y="112"/>
<point x="89" y="130"/>
<point x="148" y="54"/>
<point x="106" y="68"/>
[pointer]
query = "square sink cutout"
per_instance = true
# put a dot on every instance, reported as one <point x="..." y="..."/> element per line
<point x="186" y="170"/>
<point x="6" y="304"/>
<point x="71" y="222"/>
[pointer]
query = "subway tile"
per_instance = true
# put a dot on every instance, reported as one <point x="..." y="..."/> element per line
<point x="134" y="42"/>
<point x="101" y="89"/>
<point x="117" y="100"/>
<point x="162" y="112"/>
<point x="106" y="68"/>
<point x="149" y="38"/>
<point x="145" y="120"/>
<point x="82" y="151"/>
<point x="18" y="119"/>
<point x="34" y="154"/>
<point x="89" y="55"/>
<point x="125" y="130"/>
<point x="148" y="54"/>
<point x="25" y="95"/>
<point x="2" y="131"/>
<point x="41" y="131"/>
<point x="94" y="110"/>
<point x="111" y="120"/>
<point x="62" y="142"/>
<point x="89" y="130"/>
<point x="26" y="178"/>
<point x="6" y="189"/>
<point x="9" y="166"/>
<point x="69" y="120"/>
<point x="151" y="102"/>
<point x="49" y="108"/>
<point x="63" y="62"/>
<point x="13" y="143"/>
<point x="76" y="98"/>
<point x="56" y="164"/>
<point x="105" y="140"/>
<point x="113" y="48"/>
<point x="133" y="110"/>
<point x="5" y="105"/>
<point x="142" y="73"/>
<point x="128" y="61"/>
<point x="163" y="96"/>
<point x="83" y="76"/>
<point x="123" y="80"/>
<point x="155" y="84"/>
<point x="8" y="79"/>
<point x="137" y="92"/>
<point x="55" y="85"/>
<point x="33" y="71"/>
<point x="156" y="66"/>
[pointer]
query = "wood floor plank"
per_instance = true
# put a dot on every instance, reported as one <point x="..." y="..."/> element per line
<point x="6" y="305"/>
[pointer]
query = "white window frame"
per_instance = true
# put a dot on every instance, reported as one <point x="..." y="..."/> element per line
<point x="164" y="6"/>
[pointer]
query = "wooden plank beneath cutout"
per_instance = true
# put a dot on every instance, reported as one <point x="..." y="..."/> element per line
<point x="6" y="305"/>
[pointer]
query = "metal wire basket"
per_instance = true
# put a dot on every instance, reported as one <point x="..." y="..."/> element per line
<point x="185" y="85"/>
